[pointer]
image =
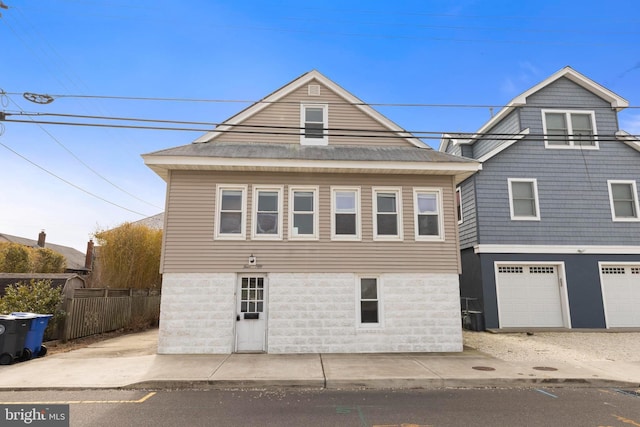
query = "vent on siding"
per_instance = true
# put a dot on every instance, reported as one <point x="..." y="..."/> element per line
<point x="542" y="270"/>
<point x="511" y="269"/>
<point x="635" y="270"/>
<point x="613" y="270"/>
<point x="314" y="90"/>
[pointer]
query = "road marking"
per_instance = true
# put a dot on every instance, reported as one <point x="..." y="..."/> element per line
<point x="546" y="392"/>
<point x="77" y="402"/>
<point x="626" y="420"/>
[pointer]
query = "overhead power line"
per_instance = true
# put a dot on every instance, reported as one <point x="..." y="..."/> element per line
<point x="248" y="101"/>
<point x="77" y="187"/>
<point x="284" y="130"/>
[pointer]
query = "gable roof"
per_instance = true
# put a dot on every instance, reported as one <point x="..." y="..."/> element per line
<point x="617" y="102"/>
<point x="58" y="280"/>
<point x="293" y="86"/>
<point x="75" y="259"/>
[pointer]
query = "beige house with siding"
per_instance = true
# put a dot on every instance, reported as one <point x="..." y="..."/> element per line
<point x="307" y="223"/>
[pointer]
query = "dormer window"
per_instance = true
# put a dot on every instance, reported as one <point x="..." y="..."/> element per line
<point x="314" y="124"/>
<point x="569" y="129"/>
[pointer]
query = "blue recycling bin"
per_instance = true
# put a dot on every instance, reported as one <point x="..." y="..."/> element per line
<point x="33" y="346"/>
<point x="13" y="333"/>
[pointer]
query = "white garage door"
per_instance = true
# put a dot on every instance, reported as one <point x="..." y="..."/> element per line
<point x="621" y="294"/>
<point x="529" y="296"/>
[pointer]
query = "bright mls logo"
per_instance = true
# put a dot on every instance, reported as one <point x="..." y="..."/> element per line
<point x="34" y="415"/>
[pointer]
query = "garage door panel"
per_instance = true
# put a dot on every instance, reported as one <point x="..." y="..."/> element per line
<point x="529" y="296"/>
<point x="621" y="294"/>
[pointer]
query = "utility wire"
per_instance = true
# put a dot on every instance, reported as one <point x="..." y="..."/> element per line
<point x="95" y="172"/>
<point x="247" y="101"/>
<point x="297" y="131"/>
<point x="69" y="182"/>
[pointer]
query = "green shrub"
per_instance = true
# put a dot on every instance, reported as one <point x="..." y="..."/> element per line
<point x="37" y="296"/>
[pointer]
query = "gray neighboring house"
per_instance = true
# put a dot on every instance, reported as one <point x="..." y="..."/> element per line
<point x="550" y="227"/>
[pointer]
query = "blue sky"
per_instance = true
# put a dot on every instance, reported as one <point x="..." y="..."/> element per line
<point x="402" y="52"/>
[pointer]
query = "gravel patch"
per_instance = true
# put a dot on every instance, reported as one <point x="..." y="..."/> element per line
<point x="562" y="346"/>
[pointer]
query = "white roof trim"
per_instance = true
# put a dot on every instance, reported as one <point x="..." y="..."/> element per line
<point x="616" y="101"/>
<point x="225" y="163"/>
<point x="556" y="249"/>
<point x="628" y="139"/>
<point x="504" y="145"/>
<point x="296" y="84"/>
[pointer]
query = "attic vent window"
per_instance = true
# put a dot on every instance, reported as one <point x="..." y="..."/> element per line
<point x="314" y="90"/>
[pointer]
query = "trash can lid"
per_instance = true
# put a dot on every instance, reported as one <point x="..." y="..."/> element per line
<point x="24" y="315"/>
<point x="7" y="317"/>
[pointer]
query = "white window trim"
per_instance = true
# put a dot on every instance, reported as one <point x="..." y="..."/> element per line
<point x="358" y="235"/>
<point x="254" y="214"/>
<point x="634" y="189"/>
<point x="571" y="145"/>
<point x="243" y="232"/>
<point x="315" y="190"/>
<point x="535" y="194"/>
<point x="418" y="237"/>
<point x="325" y="120"/>
<point x="398" y="191"/>
<point x="359" y="324"/>
<point x="457" y="194"/>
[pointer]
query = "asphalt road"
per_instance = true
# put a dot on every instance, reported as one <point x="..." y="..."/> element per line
<point x="447" y="407"/>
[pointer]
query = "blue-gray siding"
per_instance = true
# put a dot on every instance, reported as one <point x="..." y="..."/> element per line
<point x="510" y="125"/>
<point x="468" y="229"/>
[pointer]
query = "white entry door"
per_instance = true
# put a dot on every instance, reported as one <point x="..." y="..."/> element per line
<point x="529" y="296"/>
<point x="251" y="310"/>
<point x="621" y="294"/>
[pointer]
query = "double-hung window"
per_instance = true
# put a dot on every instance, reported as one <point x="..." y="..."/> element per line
<point x="303" y="213"/>
<point x="623" y="197"/>
<point x="387" y="212"/>
<point x="427" y="203"/>
<point x="523" y="199"/>
<point x="314" y="124"/>
<point x="569" y="129"/>
<point x="230" y="212"/>
<point x="345" y="213"/>
<point x="267" y="212"/>
<point x="369" y="310"/>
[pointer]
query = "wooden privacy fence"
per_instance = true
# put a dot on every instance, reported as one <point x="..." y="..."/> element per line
<point x="94" y="311"/>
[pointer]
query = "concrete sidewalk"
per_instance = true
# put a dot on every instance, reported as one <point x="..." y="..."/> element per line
<point x="130" y="361"/>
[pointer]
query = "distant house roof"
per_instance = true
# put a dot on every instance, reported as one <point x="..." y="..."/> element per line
<point x="75" y="259"/>
<point x="156" y="221"/>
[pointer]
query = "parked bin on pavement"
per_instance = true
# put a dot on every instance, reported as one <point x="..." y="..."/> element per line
<point x="33" y="346"/>
<point x="13" y="333"/>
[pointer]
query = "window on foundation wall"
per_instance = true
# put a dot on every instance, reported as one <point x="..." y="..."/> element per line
<point x="267" y="213"/>
<point x="369" y="310"/>
<point x="303" y="213"/>
<point x="231" y="212"/>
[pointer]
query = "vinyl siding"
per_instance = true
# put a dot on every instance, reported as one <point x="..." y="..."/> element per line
<point x="286" y="112"/>
<point x="190" y="246"/>
<point x="468" y="229"/>
<point x="573" y="195"/>
<point x="510" y="125"/>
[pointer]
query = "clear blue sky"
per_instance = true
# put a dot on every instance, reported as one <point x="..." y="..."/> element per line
<point x="412" y="52"/>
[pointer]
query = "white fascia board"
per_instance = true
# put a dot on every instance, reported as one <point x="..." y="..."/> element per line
<point x="504" y="145"/>
<point x="212" y="163"/>
<point x="556" y="249"/>
<point x="628" y="139"/>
